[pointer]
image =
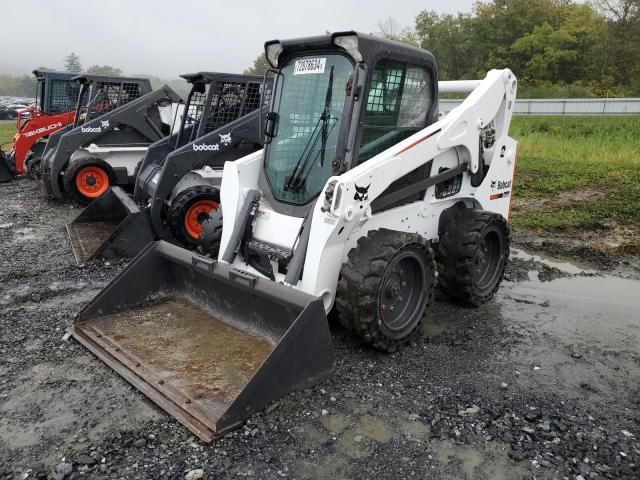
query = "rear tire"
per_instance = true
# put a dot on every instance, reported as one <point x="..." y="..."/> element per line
<point x="31" y="165"/>
<point x="189" y="210"/>
<point x="87" y="179"/>
<point x="386" y="287"/>
<point x="472" y="255"/>
<point x="211" y="236"/>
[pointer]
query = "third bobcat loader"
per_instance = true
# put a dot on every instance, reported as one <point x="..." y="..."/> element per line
<point x="179" y="177"/>
<point x="118" y="120"/>
<point x="362" y="197"/>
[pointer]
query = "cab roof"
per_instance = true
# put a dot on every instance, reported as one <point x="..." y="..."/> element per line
<point x="210" y="77"/>
<point x="369" y="47"/>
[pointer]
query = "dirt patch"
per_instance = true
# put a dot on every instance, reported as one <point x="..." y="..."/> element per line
<point x="525" y="206"/>
<point x="613" y="249"/>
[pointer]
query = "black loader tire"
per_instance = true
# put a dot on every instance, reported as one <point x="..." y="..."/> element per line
<point x="68" y="179"/>
<point x="372" y="268"/>
<point x="180" y="207"/>
<point x="32" y="164"/>
<point x="468" y="238"/>
<point x="209" y="239"/>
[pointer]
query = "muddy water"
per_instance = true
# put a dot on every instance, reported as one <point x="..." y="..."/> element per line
<point x="182" y="345"/>
<point x="86" y="238"/>
<point x="581" y="334"/>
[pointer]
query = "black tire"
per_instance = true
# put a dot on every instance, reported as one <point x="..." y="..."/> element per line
<point x="209" y="239"/>
<point x="180" y="207"/>
<point x="385" y="268"/>
<point x="69" y="177"/>
<point x="31" y="164"/>
<point x="472" y="255"/>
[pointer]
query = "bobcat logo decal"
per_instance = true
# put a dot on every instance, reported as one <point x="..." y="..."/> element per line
<point x="105" y="123"/>
<point x="362" y="193"/>
<point x="225" y="139"/>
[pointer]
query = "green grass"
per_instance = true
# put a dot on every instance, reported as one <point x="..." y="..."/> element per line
<point x="566" y="154"/>
<point x="7" y="130"/>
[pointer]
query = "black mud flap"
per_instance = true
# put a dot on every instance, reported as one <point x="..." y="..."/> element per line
<point x="209" y="344"/>
<point x="111" y="226"/>
<point x="7" y="170"/>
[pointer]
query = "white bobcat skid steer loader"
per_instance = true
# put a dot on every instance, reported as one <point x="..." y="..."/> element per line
<point x="358" y="184"/>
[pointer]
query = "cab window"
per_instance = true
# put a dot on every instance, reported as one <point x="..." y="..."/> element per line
<point x="399" y="100"/>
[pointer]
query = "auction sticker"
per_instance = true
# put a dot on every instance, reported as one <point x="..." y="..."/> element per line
<point x="309" y="66"/>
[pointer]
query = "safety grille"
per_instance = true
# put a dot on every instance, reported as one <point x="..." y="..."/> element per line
<point x="231" y="100"/>
<point x="193" y="116"/>
<point x="108" y="96"/>
<point x="62" y="95"/>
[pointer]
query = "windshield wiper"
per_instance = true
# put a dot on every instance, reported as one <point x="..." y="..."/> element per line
<point x="295" y="180"/>
<point x="326" y="116"/>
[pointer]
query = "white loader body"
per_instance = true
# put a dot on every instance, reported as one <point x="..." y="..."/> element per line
<point x="346" y="215"/>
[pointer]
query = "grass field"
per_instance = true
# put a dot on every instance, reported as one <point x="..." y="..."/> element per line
<point x="577" y="171"/>
<point x="7" y="131"/>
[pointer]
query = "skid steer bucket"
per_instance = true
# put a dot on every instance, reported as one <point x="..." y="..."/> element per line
<point x="6" y="169"/>
<point x="209" y="344"/>
<point x="111" y="226"/>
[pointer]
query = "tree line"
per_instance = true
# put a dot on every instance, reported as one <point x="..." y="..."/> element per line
<point x="555" y="47"/>
<point x="25" y="85"/>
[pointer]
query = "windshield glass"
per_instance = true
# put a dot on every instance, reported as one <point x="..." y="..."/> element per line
<point x="309" y="100"/>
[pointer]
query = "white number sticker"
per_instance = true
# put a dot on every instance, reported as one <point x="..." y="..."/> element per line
<point x="309" y="65"/>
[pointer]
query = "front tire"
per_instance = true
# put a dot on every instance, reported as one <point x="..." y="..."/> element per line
<point x="87" y="179"/>
<point x="386" y="287"/>
<point x="211" y="236"/>
<point x="472" y="255"/>
<point x="189" y="209"/>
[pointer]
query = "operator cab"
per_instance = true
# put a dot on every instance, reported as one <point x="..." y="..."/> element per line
<point x="100" y="94"/>
<point x="56" y="92"/>
<point x="338" y="101"/>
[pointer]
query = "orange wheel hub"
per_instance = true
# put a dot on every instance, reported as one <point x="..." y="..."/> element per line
<point x="92" y="181"/>
<point x="198" y="213"/>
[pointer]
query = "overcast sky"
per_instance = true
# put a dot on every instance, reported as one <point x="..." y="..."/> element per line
<point x="166" y="38"/>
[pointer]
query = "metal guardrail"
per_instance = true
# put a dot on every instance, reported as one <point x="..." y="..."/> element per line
<point x="566" y="106"/>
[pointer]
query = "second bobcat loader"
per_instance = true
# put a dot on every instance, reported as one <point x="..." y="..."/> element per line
<point x="179" y="177"/>
<point x="361" y="199"/>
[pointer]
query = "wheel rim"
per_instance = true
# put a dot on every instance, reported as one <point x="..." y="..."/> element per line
<point x="198" y="213"/>
<point x="403" y="289"/>
<point x="487" y="260"/>
<point x="92" y="181"/>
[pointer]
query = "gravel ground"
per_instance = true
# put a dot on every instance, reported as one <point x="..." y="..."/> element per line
<point x="542" y="382"/>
